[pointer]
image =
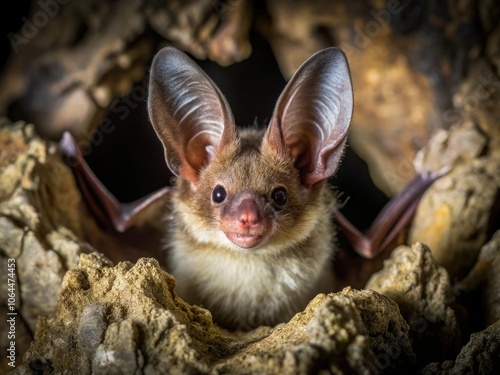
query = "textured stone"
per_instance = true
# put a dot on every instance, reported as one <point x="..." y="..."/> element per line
<point x="40" y="220"/>
<point x="456" y="214"/>
<point x="423" y="292"/>
<point x="481" y="355"/>
<point x="450" y="148"/>
<point x="11" y="237"/>
<point x="127" y="319"/>
<point x="91" y="327"/>
<point x="39" y="294"/>
<point x="485" y="276"/>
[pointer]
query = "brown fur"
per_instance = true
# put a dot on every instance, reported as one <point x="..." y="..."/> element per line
<point x="264" y="285"/>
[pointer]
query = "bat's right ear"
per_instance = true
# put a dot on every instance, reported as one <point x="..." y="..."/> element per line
<point x="189" y="113"/>
<point x="312" y="116"/>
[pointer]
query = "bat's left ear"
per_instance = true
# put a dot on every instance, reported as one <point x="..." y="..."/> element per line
<point x="312" y="116"/>
<point x="188" y="112"/>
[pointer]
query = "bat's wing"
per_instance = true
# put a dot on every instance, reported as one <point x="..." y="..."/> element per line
<point x="101" y="202"/>
<point x="391" y="220"/>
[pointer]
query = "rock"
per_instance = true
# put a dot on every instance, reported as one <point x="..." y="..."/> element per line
<point x="59" y="87"/>
<point x="127" y="319"/>
<point x="455" y="215"/>
<point x="39" y="294"/>
<point x="11" y="237"/>
<point x="41" y="221"/>
<point x="422" y="290"/>
<point x="481" y="355"/>
<point x="450" y="148"/>
<point x="91" y="328"/>
<point x="35" y="184"/>
<point x="485" y="276"/>
<point x="461" y="210"/>
<point x="478" y="94"/>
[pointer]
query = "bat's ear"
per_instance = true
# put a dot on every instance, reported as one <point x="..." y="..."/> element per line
<point x="189" y="113"/>
<point x="312" y="116"/>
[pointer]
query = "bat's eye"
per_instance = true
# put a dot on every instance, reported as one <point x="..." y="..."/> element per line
<point x="219" y="194"/>
<point x="279" y="196"/>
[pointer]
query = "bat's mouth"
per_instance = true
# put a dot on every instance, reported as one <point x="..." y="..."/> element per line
<point x="246" y="241"/>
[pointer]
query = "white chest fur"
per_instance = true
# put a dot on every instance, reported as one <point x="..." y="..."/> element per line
<point x="247" y="288"/>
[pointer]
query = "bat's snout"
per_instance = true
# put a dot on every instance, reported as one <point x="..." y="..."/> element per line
<point x="246" y="224"/>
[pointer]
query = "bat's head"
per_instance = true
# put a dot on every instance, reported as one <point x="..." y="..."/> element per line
<point x="251" y="189"/>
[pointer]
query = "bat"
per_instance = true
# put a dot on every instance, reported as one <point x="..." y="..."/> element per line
<point x="253" y="220"/>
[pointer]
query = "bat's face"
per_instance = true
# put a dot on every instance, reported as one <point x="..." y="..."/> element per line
<point x="253" y="190"/>
<point x="250" y="197"/>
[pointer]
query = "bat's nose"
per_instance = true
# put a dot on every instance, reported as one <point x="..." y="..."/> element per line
<point x="250" y="214"/>
<point x="246" y="223"/>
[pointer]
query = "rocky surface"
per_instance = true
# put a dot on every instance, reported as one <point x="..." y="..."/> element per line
<point x="485" y="276"/>
<point x="479" y="356"/>
<point x="127" y="319"/>
<point x="37" y="229"/>
<point x="423" y="292"/>
<point x="124" y="317"/>
<point x="44" y="227"/>
<point x="458" y="213"/>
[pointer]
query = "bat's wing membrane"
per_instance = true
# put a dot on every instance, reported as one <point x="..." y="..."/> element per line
<point x="391" y="220"/>
<point x="101" y="202"/>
